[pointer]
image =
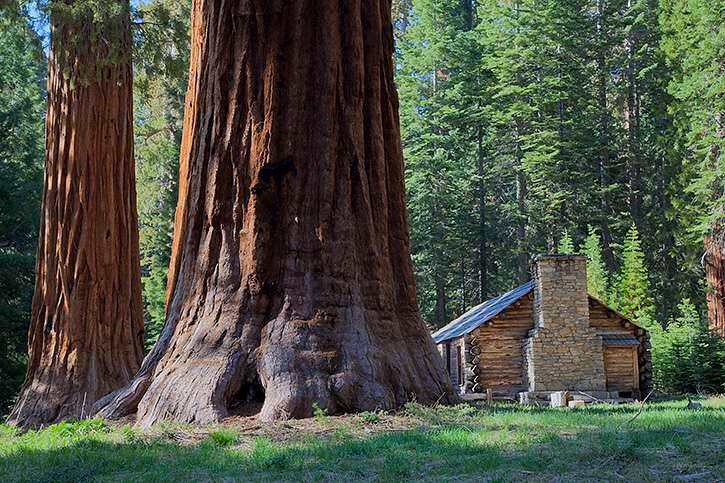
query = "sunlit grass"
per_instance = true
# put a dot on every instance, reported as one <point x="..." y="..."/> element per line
<point x="502" y="442"/>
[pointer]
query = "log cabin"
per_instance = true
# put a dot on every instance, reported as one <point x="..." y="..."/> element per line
<point x="545" y="336"/>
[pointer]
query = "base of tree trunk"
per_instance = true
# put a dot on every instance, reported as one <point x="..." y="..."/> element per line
<point x="297" y="366"/>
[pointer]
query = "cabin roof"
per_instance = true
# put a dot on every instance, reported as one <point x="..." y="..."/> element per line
<point x="619" y="339"/>
<point x="480" y="314"/>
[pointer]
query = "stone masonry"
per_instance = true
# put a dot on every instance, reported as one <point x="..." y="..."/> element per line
<point x="562" y="352"/>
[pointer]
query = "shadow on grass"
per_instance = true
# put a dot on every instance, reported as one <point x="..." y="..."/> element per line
<point x="386" y="456"/>
<point x="436" y="454"/>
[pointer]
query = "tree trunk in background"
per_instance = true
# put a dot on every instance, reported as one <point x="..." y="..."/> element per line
<point x="715" y="274"/>
<point x="441" y="300"/>
<point x="482" y="234"/>
<point x="631" y="123"/>
<point x="86" y="330"/>
<point x="715" y="241"/>
<point x="604" y="138"/>
<point x="521" y="237"/>
<point x="290" y="266"/>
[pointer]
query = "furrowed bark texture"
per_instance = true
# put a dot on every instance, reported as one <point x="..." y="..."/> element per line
<point x="290" y="263"/>
<point x="715" y="272"/>
<point x="86" y="332"/>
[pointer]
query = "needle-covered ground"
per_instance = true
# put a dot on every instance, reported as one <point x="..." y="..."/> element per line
<point x="664" y="442"/>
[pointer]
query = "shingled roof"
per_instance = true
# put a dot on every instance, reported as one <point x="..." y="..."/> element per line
<point x="480" y="314"/>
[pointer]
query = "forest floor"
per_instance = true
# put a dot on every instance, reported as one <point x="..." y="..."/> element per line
<point x="501" y="442"/>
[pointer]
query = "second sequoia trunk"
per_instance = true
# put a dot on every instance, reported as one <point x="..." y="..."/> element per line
<point x="714" y="261"/>
<point x="86" y="330"/>
<point x="290" y="270"/>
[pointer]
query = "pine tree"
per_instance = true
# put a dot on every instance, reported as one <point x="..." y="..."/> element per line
<point x="22" y="66"/>
<point x="693" y="43"/>
<point x="566" y="245"/>
<point x="633" y="293"/>
<point x="597" y="277"/>
<point x="685" y="356"/>
<point x="440" y="148"/>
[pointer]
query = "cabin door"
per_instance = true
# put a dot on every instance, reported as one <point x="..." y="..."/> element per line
<point x="621" y="368"/>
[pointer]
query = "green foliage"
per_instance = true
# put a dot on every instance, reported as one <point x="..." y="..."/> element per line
<point x="161" y="58"/>
<point x="597" y="276"/>
<point x="633" y="296"/>
<point x="371" y="417"/>
<point x="66" y="429"/>
<point x="437" y="56"/>
<point x="686" y="358"/>
<point x="522" y="120"/>
<point x="22" y="74"/>
<point x="161" y="43"/>
<point x="223" y="437"/>
<point x="566" y="245"/>
<point x="693" y="42"/>
<point x="318" y="412"/>
<point x="100" y="27"/>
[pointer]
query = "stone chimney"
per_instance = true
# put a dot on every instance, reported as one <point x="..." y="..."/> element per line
<point x="563" y="352"/>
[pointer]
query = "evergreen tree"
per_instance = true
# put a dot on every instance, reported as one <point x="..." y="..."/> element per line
<point x="161" y="60"/>
<point x="566" y="245"/>
<point x="86" y="329"/>
<point x="633" y="293"/>
<point x="440" y="169"/>
<point x="693" y="42"/>
<point x="22" y="75"/>
<point x="597" y="277"/>
<point x="685" y="356"/>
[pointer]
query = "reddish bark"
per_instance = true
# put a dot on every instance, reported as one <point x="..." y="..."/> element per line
<point x="715" y="273"/>
<point x="86" y="330"/>
<point x="290" y="266"/>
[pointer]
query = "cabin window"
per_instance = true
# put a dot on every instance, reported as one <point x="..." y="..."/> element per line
<point x="459" y="365"/>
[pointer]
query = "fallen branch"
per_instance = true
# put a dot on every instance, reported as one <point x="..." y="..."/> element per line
<point x="589" y="395"/>
<point x="641" y="408"/>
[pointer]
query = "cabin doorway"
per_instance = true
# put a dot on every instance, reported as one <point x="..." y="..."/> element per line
<point x="621" y="367"/>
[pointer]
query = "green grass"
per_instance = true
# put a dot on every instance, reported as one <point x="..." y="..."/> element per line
<point x="500" y="443"/>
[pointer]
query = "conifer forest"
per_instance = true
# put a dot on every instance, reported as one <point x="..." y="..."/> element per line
<point x="175" y="189"/>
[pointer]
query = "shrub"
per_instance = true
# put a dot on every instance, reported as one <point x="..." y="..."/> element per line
<point x="77" y="428"/>
<point x="370" y="417"/>
<point x="222" y="437"/>
<point x="319" y="413"/>
<point x="686" y="358"/>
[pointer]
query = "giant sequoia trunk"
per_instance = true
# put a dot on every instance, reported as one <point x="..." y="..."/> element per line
<point x="290" y="276"/>
<point x="715" y="273"/>
<point x="86" y="331"/>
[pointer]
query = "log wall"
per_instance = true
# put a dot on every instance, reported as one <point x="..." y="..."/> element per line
<point x="497" y="349"/>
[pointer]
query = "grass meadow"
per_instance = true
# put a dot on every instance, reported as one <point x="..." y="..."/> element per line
<point x="660" y="441"/>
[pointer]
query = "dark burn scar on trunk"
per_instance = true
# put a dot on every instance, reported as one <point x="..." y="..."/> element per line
<point x="275" y="171"/>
